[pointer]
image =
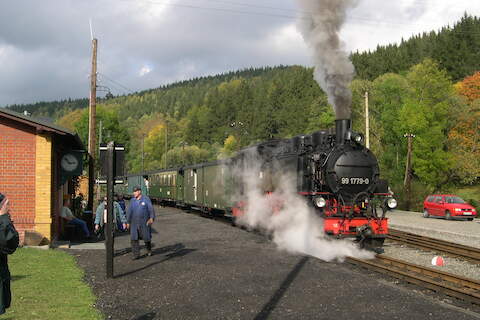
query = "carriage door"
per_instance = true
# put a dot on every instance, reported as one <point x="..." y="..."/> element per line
<point x="195" y="181"/>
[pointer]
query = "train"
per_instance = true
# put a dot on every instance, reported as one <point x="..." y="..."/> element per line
<point x="334" y="172"/>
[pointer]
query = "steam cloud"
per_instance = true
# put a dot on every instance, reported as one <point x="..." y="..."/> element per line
<point x="295" y="227"/>
<point x="320" y="24"/>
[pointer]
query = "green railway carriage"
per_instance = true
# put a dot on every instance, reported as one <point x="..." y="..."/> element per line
<point x="180" y="192"/>
<point x="193" y="185"/>
<point x="163" y="185"/>
<point x="138" y="180"/>
<point x="217" y="184"/>
<point x="208" y="186"/>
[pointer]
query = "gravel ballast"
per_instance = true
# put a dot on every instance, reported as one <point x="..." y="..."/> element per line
<point x="459" y="231"/>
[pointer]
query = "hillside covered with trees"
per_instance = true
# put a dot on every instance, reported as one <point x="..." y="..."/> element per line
<point x="428" y="85"/>
<point x="455" y="48"/>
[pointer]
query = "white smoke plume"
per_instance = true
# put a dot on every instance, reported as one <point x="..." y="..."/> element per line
<point x="295" y="226"/>
<point x="320" y="23"/>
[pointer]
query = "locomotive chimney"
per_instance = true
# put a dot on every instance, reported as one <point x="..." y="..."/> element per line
<point x="342" y="131"/>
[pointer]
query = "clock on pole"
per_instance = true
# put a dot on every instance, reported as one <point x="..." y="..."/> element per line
<point x="71" y="164"/>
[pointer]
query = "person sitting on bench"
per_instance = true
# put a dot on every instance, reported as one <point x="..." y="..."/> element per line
<point x="72" y="220"/>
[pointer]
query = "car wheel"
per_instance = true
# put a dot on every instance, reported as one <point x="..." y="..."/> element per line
<point x="448" y="215"/>
<point x="470" y="219"/>
<point x="425" y="213"/>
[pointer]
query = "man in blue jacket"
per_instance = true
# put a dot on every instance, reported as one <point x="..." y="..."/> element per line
<point x="140" y="216"/>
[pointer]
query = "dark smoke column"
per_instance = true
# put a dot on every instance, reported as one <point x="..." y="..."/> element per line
<point x="320" y="24"/>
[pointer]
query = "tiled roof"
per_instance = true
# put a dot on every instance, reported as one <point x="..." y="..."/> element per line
<point x="40" y="124"/>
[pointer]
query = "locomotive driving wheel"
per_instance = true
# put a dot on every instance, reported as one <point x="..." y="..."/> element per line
<point x="374" y="244"/>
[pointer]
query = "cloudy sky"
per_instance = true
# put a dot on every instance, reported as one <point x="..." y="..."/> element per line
<point x="45" y="46"/>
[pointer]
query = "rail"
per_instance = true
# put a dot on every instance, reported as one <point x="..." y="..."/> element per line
<point x="423" y="242"/>
<point x="439" y="281"/>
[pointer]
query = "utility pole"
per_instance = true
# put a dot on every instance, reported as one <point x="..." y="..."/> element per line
<point x="367" y="122"/>
<point x="408" y="170"/>
<point x="91" y="125"/>
<point x="143" y="153"/>
<point x="100" y="129"/>
<point x="183" y="152"/>
<point x="166" y="142"/>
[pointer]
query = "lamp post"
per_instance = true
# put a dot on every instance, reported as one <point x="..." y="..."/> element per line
<point x="183" y="144"/>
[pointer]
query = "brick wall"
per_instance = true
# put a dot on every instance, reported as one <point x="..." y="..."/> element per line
<point x="17" y="172"/>
<point x="43" y="183"/>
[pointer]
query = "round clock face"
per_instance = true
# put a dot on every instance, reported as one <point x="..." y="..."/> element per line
<point x="69" y="162"/>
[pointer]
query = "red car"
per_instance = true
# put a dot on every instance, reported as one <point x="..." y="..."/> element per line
<point x="449" y="206"/>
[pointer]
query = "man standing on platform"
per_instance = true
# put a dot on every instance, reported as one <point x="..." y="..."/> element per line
<point x="140" y="216"/>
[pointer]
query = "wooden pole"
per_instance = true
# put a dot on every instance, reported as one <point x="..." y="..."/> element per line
<point x="143" y="152"/>
<point x="367" y="122"/>
<point x="166" y="142"/>
<point x="91" y="125"/>
<point x="408" y="171"/>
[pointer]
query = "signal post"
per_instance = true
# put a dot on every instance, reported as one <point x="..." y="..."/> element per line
<point x="112" y="158"/>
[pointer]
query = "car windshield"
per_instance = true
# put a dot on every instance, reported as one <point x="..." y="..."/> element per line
<point x="454" y="200"/>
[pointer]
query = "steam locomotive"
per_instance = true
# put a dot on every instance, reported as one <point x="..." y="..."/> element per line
<point x="335" y="173"/>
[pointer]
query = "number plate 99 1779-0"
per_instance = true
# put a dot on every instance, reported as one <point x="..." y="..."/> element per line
<point x="355" y="181"/>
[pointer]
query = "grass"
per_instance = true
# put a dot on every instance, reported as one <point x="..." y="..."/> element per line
<point x="472" y="192"/>
<point x="47" y="284"/>
<point x="471" y="195"/>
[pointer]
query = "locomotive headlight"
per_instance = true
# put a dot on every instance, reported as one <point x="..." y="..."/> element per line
<point x="319" y="202"/>
<point x="391" y="203"/>
<point x="357" y="137"/>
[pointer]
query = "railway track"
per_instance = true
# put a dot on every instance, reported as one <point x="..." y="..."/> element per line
<point x="439" y="281"/>
<point x="422" y="242"/>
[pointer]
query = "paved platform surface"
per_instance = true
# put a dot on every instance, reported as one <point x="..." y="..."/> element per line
<point x="460" y="231"/>
<point x="207" y="269"/>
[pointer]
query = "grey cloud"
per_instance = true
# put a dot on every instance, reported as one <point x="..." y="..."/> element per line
<point x="45" y="45"/>
<point x="50" y="46"/>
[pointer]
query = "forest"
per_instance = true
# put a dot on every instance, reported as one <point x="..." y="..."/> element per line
<point x="428" y="85"/>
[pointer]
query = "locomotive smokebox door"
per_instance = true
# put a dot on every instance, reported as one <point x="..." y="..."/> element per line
<point x="351" y="171"/>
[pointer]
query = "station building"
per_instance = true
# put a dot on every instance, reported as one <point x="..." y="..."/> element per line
<point x="38" y="160"/>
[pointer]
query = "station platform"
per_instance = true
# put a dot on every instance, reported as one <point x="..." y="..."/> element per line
<point x="207" y="269"/>
<point x="459" y="231"/>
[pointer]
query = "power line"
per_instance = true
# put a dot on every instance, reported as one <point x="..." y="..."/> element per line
<point x="300" y="14"/>
<point x="216" y="9"/>
<point x="116" y="82"/>
<point x="242" y="4"/>
<point x="114" y="87"/>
